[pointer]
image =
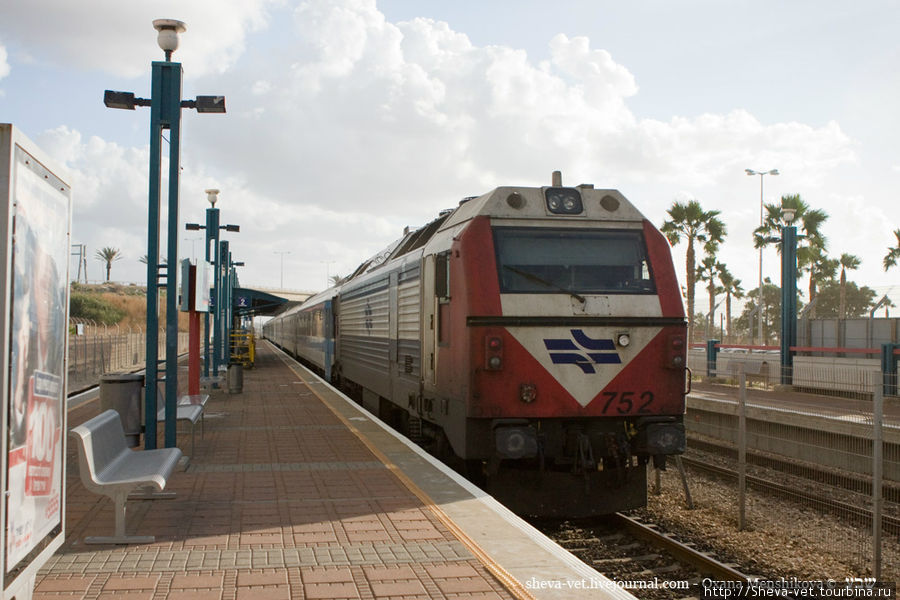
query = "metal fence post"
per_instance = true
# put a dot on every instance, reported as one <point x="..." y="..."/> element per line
<point x="877" y="476"/>
<point x="742" y="451"/>
<point x="889" y="368"/>
<point x="711" y="352"/>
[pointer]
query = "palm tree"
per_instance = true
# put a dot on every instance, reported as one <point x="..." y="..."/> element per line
<point x="336" y="280"/>
<point x="145" y="260"/>
<point x="732" y="288"/>
<point x="811" y="245"/>
<point x="848" y="262"/>
<point x="709" y="272"/>
<point x="890" y="259"/>
<point x="108" y="255"/>
<point x="820" y="269"/>
<point x="691" y="223"/>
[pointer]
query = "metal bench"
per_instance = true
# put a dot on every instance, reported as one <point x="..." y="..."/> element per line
<point x="108" y="467"/>
<point x="189" y="412"/>
<point x="189" y="408"/>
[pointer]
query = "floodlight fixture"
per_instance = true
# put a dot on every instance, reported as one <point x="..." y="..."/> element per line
<point x="123" y="100"/>
<point x="235" y="228"/>
<point x="193" y="226"/>
<point x="210" y="104"/>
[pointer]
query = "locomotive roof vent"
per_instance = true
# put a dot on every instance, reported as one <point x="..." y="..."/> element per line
<point x="515" y="200"/>
<point x="610" y="203"/>
<point x="585" y="186"/>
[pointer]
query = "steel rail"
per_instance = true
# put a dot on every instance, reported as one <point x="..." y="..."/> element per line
<point x="701" y="561"/>
<point x="863" y="515"/>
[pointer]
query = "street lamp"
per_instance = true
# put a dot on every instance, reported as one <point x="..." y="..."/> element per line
<point x="193" y="241"/>
<point x="282" y="253"/>
<point x="788" y="294"/>
<point x="165" y="113"/>
<point x="759" y="315"/>
<point x="213" y="256"/>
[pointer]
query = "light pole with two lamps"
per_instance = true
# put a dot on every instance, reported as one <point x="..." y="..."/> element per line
<point x="212" y="228"/>
<point x="282" y="253"/>
<point x="165" y="113"/>
<point x="759" y="311"/>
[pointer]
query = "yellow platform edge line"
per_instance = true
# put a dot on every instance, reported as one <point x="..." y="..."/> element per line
<point x="512" y="585"/>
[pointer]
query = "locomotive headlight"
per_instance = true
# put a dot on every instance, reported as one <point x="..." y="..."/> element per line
<point x="516" y="441"/>
<point x="563" y="201"/>
<point x="623" y="339"/>
<point x="493" y="353"/>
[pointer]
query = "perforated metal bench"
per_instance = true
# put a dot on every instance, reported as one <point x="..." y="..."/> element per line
<point x="190" y="413"/>
<point x="108" y="467"/>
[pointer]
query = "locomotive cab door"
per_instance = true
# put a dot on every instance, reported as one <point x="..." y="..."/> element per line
<point x="435" y="311"/>
<point x="429" y="324"/>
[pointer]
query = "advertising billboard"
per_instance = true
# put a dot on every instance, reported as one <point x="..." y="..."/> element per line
<point x="35" y="230"/>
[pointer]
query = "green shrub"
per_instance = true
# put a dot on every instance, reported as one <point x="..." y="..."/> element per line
<point x="93" y="308"/>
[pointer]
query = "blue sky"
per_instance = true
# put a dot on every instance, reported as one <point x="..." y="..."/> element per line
<point x="350" y="119"/>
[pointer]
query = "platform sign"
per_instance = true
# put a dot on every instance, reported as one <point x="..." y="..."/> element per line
<point x="35" y="213"/>
<point x="204" y="277"/>
<point x="194" y="289"/>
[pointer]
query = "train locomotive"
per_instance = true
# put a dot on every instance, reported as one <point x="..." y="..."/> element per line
<point x="533" y="336"/>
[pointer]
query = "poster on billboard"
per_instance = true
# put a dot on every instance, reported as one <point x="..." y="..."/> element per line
<point x="35" y="320"/>
<point x="204" y="279"/>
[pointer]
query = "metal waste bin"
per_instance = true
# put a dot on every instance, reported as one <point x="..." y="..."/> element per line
<point x="122" y="392"/>
<point x="235" y="377"/>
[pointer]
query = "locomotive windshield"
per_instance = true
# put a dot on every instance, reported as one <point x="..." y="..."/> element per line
<point x="580" y="261"/>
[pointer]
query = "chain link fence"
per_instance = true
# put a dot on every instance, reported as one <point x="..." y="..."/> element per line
<point x="95" y="350"/>
<point x="827" y="447"/>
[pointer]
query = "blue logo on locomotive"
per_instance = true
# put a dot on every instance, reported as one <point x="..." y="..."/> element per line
<point x="583" y="351"/>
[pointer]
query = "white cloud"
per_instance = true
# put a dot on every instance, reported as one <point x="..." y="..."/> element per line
<point x="352" y="126"/>
<point x="117" y="37"/>
<point x="4" y="65"/>
<point x="377" y="112"/>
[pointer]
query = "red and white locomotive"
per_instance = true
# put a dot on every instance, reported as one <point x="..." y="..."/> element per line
<point x="537" y="334"/>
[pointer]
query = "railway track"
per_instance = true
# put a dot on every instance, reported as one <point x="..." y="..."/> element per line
<point x="651" y="564"/>
<point x="852" y="482"/>
<point x="857" y="515"/>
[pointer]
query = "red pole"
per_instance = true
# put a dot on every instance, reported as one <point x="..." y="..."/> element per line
<point x="194" y="353"/>
<point x="193" y="339"/>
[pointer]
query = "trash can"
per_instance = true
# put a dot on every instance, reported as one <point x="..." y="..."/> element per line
<point x="122" y="392"/>
<point x="235" y="376"/>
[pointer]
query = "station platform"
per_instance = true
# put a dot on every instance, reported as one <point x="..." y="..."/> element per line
<point x="296" y="492"/>
<point x="798" y="401"/>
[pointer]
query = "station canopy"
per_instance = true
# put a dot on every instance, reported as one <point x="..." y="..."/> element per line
<point x="250" y="302"/>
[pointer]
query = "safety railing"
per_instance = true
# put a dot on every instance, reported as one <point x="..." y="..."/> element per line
<point x="824" y="468"/>
<point x="95" y="350"/>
